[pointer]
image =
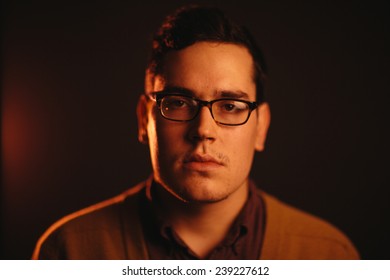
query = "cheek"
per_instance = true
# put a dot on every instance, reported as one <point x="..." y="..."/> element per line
<point x="168" y="138"/>
<point x="243" y="149"/>
<point x="159" y="139"/>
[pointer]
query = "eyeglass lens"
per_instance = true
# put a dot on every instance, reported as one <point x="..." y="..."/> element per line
<point x="226" y="111"/>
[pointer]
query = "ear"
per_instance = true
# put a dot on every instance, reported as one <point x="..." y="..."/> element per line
<point x="263" y="122"/>
<point x="142" y="118"/>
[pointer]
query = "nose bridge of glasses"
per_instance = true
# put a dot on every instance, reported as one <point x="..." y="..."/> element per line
<point x="208" y="104"/>
<point x="203" y="103"/>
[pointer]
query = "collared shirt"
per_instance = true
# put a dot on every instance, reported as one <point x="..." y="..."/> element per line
<point x="243" y="241"/>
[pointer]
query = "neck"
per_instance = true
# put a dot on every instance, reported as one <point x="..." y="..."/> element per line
<point x="202" y="226"/>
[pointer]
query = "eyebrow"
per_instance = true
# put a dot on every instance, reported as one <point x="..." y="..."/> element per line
<point x="234" y="94"/>
<point x="221" y="94"/>
<point x="175" y="89"/>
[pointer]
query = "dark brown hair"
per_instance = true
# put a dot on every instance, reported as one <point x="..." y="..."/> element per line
<point x="191" y="24"/>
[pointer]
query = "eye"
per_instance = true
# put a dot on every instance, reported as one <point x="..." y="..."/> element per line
<point x="175" y="102"/>
<point x="231" y="106"/>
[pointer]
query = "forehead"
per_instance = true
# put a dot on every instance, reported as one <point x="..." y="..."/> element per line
<point x="207" y="68"/>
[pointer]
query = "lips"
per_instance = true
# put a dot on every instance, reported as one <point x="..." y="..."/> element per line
<point x="203" y="163"/>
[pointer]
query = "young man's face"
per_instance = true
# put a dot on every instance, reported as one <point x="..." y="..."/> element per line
<point x="201" y="160"/>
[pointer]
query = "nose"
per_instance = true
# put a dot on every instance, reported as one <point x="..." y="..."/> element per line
<point x="203" y="127"/>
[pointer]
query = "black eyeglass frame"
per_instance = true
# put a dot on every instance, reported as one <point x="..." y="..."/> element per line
<point x="158" y="96"/>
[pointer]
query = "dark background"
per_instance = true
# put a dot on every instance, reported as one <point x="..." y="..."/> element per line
<point x="72" y="73"/>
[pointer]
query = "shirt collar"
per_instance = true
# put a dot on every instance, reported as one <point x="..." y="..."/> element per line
<point x="238" y="230"/>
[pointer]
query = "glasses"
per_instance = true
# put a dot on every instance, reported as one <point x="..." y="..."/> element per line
<point x="183" y="108"/>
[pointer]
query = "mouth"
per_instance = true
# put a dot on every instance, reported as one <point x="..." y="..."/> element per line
<point x="201" y="163"/>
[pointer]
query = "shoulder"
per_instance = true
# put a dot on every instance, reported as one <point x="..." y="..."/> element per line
<point x="294" y="234"/>
<point x="74" y="236"/>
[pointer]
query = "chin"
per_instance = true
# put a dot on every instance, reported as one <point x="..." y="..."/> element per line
<point x="209" y="200"/>
<point x="202" y="199"/>
<point x="202" y="194"/>
<point x="198" y="187"/>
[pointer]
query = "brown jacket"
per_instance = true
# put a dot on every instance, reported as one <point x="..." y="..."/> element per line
<point x="111" y="230"/>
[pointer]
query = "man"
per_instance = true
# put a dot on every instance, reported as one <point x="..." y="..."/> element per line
<point x="203" y="116"/>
